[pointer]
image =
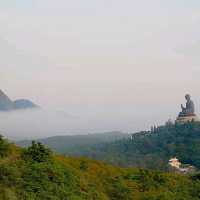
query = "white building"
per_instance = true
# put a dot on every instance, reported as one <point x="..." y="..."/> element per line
<point x="184" y="169"/>
<point x="174" y="162"/>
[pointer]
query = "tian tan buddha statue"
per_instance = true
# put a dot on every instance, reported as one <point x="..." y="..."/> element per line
<point x="188" y="112"/>
<point x="189" y="109"/>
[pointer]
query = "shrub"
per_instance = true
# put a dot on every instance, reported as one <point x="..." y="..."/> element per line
<point x="37" y="153"/>
<point x="4" y="147"/>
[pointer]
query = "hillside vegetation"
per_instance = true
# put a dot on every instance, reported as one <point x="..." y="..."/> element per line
<point x="36" y="173"/>
<point x="151" y="149"/>
<point x="71" y="143"/>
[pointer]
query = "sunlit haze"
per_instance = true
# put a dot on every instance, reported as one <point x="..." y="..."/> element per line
<point x="96" y="66"/>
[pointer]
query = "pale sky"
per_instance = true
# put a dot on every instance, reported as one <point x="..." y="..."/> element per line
<point x="131" y="59"/>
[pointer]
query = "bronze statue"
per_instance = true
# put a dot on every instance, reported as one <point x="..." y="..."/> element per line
<point x="189" y="110"/>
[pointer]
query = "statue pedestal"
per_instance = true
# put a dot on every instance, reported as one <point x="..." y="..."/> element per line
<point x="189" y="118"/>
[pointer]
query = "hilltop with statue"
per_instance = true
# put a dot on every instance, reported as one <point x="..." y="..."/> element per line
<point x="176" y="143"/>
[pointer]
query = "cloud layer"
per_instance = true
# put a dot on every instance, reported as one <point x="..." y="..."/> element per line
<point x="90" y="57"/>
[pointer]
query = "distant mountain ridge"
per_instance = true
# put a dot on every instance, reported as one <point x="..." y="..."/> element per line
<point x="6" y="104"/>
<point x="24" y="104"/>
<point x="73" y="143"/>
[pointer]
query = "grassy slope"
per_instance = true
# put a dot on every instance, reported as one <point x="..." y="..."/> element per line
<point x="67" y="178"/>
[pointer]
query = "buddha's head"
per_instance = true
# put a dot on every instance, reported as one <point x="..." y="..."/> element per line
<point x="187" y="97"/>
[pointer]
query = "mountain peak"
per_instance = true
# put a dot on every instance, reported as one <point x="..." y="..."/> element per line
<point x="2" y="94"/>
<point x="24" y="104"/>
<point x="6" y="104"/>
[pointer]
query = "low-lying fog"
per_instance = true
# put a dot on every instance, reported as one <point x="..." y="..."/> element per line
<point x="123" y="65"/>
<point x="31" y="124"/>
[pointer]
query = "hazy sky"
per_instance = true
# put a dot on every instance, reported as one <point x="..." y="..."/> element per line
<point x="102" y="58"/>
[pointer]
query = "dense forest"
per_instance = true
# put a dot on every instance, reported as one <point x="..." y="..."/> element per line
<point x="150" y="149"/>
<point x="36" y="173"/>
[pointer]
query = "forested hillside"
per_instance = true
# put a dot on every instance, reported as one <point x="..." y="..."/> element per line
<point x="36" y="173"/>
<point x="151" y="149"/>
<point x="72" y="143"/>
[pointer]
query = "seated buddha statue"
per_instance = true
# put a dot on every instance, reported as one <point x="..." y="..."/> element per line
<point x="189" y="109"/>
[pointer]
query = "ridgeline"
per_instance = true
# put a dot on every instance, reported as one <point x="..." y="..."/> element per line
<point x="70" y="143"/>
<point x="150" y="149"/>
